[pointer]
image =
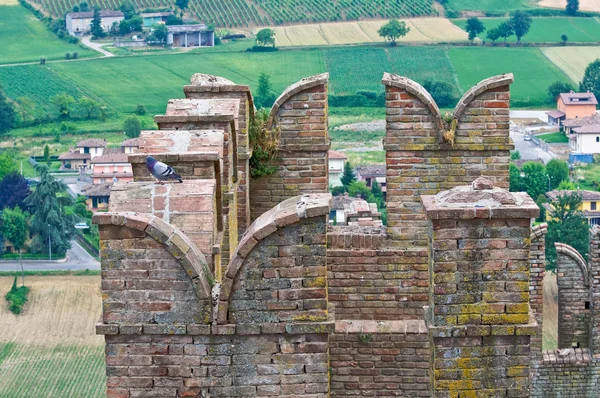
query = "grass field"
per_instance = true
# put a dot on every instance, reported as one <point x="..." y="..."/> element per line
<point x="490" y="5"/>
<point x="584" y="5"/>
<point x="553" y="138"/>
<point x="548" y="30"/>
<point x="422" y="30"/>
<point x="25" y="38"/>
<point x="51" y="350"/>
<point x="572" y="60"/>
<point x="533" y="73"/>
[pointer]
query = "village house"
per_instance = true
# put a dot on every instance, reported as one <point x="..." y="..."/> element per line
<point x="111" y="167"/>
<point x="590" y="204"/>
<point x="374" y="172"/>
<point x="79" y="158"/>
<point x="336" y="167"/>
<point x="79" y="23"/>
<point x="584" y="138"/>
<point x="151" y="18"/>
<point x="336" y="213"/>
<point x="572" y="106"/>
<point x="97" y="196"/>
<point x="190" y="36"/>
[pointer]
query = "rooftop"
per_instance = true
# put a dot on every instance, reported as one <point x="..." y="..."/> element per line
<point x="90" y="14"/>
<point x="156" y="14"/>
<point x="574" y="98"/>
<point x="188" y="28"/>
<point x="131" y="142"/>
<point x="74" y="155"/>
<point x="582" y="121"/>
<point x="336" y="155"/>
<point x="92" y="143"/>
<point x="371" y="170"/>
<point x="338" y="202"/>
<point x="588" y="129"/>
<point x="118" y="157"/>
<point x="97" y="190"/>
<point x="555" y="114"/>
<point x="585" y="195"/>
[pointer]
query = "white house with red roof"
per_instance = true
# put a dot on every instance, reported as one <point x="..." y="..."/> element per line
<point x="336" y="167"/>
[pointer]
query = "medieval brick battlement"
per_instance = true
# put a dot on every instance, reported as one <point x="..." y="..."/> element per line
<point x="223" y="286"/>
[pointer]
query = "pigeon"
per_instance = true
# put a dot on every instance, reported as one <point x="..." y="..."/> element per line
<point x="161" y="171"/>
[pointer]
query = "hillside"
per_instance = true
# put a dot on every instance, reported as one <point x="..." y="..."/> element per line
<point x="244" y="13"/>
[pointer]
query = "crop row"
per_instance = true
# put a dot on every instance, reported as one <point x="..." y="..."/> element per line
<point x="239" y="13"/>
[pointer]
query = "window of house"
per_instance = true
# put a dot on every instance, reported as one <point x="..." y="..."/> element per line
<point x="593" y="205"/>
<point x="94" y="202"/>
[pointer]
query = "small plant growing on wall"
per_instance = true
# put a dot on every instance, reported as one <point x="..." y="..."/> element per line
<point x="264" y="143"/>
<point x="365" y="338"/>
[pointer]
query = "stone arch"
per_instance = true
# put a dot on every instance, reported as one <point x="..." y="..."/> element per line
<point x="572" y="253"/>
<point x="287" y="213"/>
<point x="177" y="243"/>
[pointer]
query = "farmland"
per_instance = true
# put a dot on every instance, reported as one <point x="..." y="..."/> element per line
<point x="572" y="60"/>
<point x="584" y="5"/>
<point x="243" y="13"/>
<point x="490" y="5"/>
<point x="549" y="30"/>
<point x="24" y="38"/>
<point x="422" y="30"/>
<point x="51" y="350"/>
<point x="533" y="73"/>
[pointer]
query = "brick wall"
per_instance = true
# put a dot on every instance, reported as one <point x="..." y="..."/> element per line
<point x="383" y="359"/>
<point x="594" y="264"/>
<point x="573" y="298"/>
<point x="537" y="270"/>
<point x="420" y="162"/>
<point x="569" y="373"/>
<point x="300" y="113"/>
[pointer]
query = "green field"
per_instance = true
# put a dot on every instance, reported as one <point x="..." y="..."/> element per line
<point x="553" y="138"/>
<point x="549" y="30"/>
<point x="24" y="38"/>
<point x="489" y="5"/>
<point x="533" y="72"/>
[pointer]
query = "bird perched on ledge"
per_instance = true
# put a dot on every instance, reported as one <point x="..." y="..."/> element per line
<point x="161" y="171"/>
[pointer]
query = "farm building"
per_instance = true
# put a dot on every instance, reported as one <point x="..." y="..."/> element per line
<point x="590" y="201"/>
<point x="572" y="106"/>
<point x="79" y="23"/>
<point x="151" y="18"/>
<point x="336" y="167"/>
<point x="190" y="36"/>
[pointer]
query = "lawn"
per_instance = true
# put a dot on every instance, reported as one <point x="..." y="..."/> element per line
<point x="533" y="72"/>
<point x="553" y="138"/>
<point x="549" y="30"/>
<point x="25" y="38"/>
<point x="489" y="5"/>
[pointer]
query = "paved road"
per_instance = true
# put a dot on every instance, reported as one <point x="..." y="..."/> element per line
<point x="528" y="149"/>
<point x="77" y="259"/>
<point x="85" y="40"/>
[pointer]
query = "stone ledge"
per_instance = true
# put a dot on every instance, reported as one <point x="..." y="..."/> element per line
<point x="568" y="356"/>
<point x="228" y="329"/>
<point x="389" y="145"/>
<point x="381" y="327"/>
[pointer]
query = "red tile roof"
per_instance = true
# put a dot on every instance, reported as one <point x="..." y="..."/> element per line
<point x="336" y="155"/>
<point x="573" y="98"/>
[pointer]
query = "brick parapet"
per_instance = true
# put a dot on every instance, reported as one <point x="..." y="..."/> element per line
<point x="537" y="270"/>
<point x="301" y="116"/>
<point x="594" y="264"/>
<point x="420" y="162"/>
<point x="574" y="312"/>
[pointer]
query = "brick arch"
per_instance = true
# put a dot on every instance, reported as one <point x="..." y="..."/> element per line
<point x="575" y="256"/>
<point x="480" y="88"/>
<point x="539" y="231"/>
<point x="177" y="243"/>
<point x="285" y="214"/>
<point x="296" y="88"/>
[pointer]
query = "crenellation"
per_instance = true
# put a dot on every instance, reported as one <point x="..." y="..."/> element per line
<point x="446" y="300"/>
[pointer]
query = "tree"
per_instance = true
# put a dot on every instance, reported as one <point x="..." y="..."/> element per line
<point x="265" y="97"/>
<point x="132" y="126"/>
<point x="160" y="32"/>
<point x="521" y="23"/>
<point x="591" y="79"/>
<point x="96" y="26"/>
<point x="7" y="165"/>
<point x="348" y="176"/>
<point x="515" y="155"/>
<point x="47" y="155"/>
<point x="63" y="103"/>
<point x="493" y="35"/>
<point x="393" y="30"/>
<point x="567" y="225"/>
<point x="173" y="20"/>
<point x="442" y="93"/>
<point x="265" y="37"/>
<point x="14" y="228"/>
<point x="558" y="87"/>
<point x="505" y="30"/>
<point x="124" y="27"/>
<point x="128" y="10"/>
<point x="515" y="184"/>
<point x="474" y="27"/>
<point x="378" y="194"/>
<point x="7" y="114"/>
<point x="564" y="39"/>
<point x="572" y="7"/>
<point x="535" y="181"/>
<point x="182" y="5"/>
<point x="84" y="7"/>
<point x="566" y="185"/>
<point x="557" y="171"/>
<point x="136" y="23"/>
<point x="13" y="191"/>
<point x="358" y="189"/>
<point x="88" y="106"/>
<point x="49" y="216"/>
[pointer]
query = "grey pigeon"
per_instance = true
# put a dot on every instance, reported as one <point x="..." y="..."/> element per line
<point x="160" y="170"/>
